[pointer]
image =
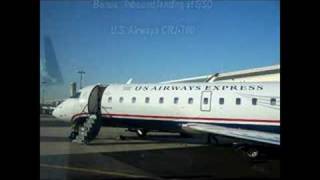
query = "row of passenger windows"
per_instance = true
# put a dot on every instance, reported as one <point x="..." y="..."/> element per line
<point x="254" y="101"/>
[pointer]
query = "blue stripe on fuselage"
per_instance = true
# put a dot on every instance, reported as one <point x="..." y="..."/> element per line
<point x="174" y="126"/>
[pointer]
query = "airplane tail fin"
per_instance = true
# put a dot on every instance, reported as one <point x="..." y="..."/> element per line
<point x="50" y="73"/>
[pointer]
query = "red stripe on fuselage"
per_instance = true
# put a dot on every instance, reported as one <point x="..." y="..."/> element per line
<point x="193" y="118"/>
<point x="182" y="118"/>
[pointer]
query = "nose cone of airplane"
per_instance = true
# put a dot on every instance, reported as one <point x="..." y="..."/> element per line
<point x="55" y="113"/>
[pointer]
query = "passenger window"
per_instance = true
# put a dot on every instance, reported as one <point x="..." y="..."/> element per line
<point x="205" y="100"/>
<point x="161" y="100"/>
<point x="221" y="101"/>
<point x="175" y="100"/>
<point x="133" y="100"/>
<point x="238" y="101"/>
<point x="121" y="99"/>
<point x="109" y="99"/>
<point x="254" y="101"/>
<point x="190" y="101"/>
<point x="147" y="100"/>
<point x="273" y="101"/>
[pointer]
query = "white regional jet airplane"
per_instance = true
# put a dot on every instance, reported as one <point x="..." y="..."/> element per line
<point x="241" y="110"/>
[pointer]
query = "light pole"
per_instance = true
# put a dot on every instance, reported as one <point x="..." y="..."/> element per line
<point x="81" y="74"/>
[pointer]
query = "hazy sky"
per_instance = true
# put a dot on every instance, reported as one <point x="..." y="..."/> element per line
<point x="113" y="41"/>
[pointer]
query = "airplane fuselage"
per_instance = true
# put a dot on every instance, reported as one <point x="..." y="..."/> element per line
<point x="166" y="107"/>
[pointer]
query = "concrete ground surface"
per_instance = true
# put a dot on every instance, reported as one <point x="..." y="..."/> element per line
<point x="157" y="156"/>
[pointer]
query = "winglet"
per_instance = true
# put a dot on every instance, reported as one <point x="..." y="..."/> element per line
<point x="129" y="81"/>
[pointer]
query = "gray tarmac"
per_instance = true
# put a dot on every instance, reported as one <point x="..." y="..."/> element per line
<point x="158" y="156"/>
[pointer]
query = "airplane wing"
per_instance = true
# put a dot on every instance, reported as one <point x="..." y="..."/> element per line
<point x="236" y="76"/>
<point x="189" y="80"/>
<point x="265" y="137"/>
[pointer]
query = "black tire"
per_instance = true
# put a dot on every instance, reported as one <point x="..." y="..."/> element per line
<point x="252" y="153"/>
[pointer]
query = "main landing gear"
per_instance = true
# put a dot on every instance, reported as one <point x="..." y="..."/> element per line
<point x="252" y="152"/>
<point x="140" y="132"/>
<point x="185" y="135"/>
<point x="211" y="137"/>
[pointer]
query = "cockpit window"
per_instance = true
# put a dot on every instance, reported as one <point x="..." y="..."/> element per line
<point x="77" y="95"/>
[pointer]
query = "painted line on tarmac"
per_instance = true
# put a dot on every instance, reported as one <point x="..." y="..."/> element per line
<point x="94" y="171"/>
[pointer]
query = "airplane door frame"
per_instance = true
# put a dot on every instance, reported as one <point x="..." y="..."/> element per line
<point x="95" y="96"/>
<point x="205" y="107"/>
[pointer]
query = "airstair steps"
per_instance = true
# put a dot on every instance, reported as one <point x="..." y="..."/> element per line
<point x="89" y="130"/>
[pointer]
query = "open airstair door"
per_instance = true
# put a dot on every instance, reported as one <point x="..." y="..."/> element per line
<point x="94" y="101"/>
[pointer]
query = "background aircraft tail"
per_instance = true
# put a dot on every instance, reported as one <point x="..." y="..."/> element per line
<point x="50" y="70"/>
